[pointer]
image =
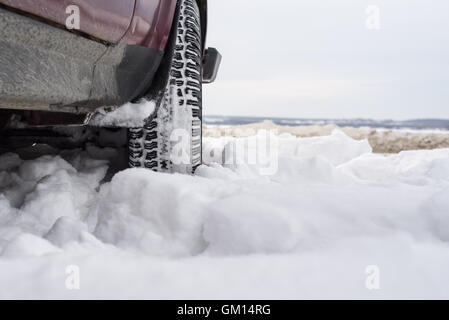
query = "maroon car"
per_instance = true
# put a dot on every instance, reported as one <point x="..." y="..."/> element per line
<point x="62" y="60"/>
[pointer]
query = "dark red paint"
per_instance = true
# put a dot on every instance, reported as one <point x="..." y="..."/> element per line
<point x="139" y="22"/>
<point x="151" y="24"/>
<point x="104" y="19"/>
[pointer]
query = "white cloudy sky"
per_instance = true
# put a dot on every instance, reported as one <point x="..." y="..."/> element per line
<point x="317" y="58"/>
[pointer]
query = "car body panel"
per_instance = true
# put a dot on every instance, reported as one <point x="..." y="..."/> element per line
<point x="135" y="22"/>
<point x="107" y="20"/>
<point x="49" y="69"/>
<point x="151" y="23"/>
<point x="46" y="69"/>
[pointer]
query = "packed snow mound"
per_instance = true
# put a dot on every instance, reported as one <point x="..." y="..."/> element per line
<point x="158" y="214"/>
<point x="381" y="140"/>
<point x="268" y="216"/>
<point x="34" y="194"/>
<point x="285" y="158"/>
<point x="234" y="227"/>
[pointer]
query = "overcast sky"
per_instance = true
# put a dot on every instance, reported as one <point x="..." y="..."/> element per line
<point x="318" y="58"/>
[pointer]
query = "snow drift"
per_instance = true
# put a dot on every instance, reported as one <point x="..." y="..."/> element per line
<point x="309" y="229"/>
<point x="381" y="140"/>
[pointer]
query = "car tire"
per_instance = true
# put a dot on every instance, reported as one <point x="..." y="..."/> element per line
<point x="171" y="138"/>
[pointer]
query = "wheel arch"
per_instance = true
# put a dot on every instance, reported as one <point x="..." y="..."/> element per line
<point x="202" y="4"/>
<point x="160" y="80"/>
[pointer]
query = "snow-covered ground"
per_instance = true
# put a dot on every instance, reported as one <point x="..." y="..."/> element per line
<point x="381" y="140"/>
<point x="319" y="217"/>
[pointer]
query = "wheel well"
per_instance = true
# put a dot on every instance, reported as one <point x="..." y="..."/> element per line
<point x="160" y="80"/>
